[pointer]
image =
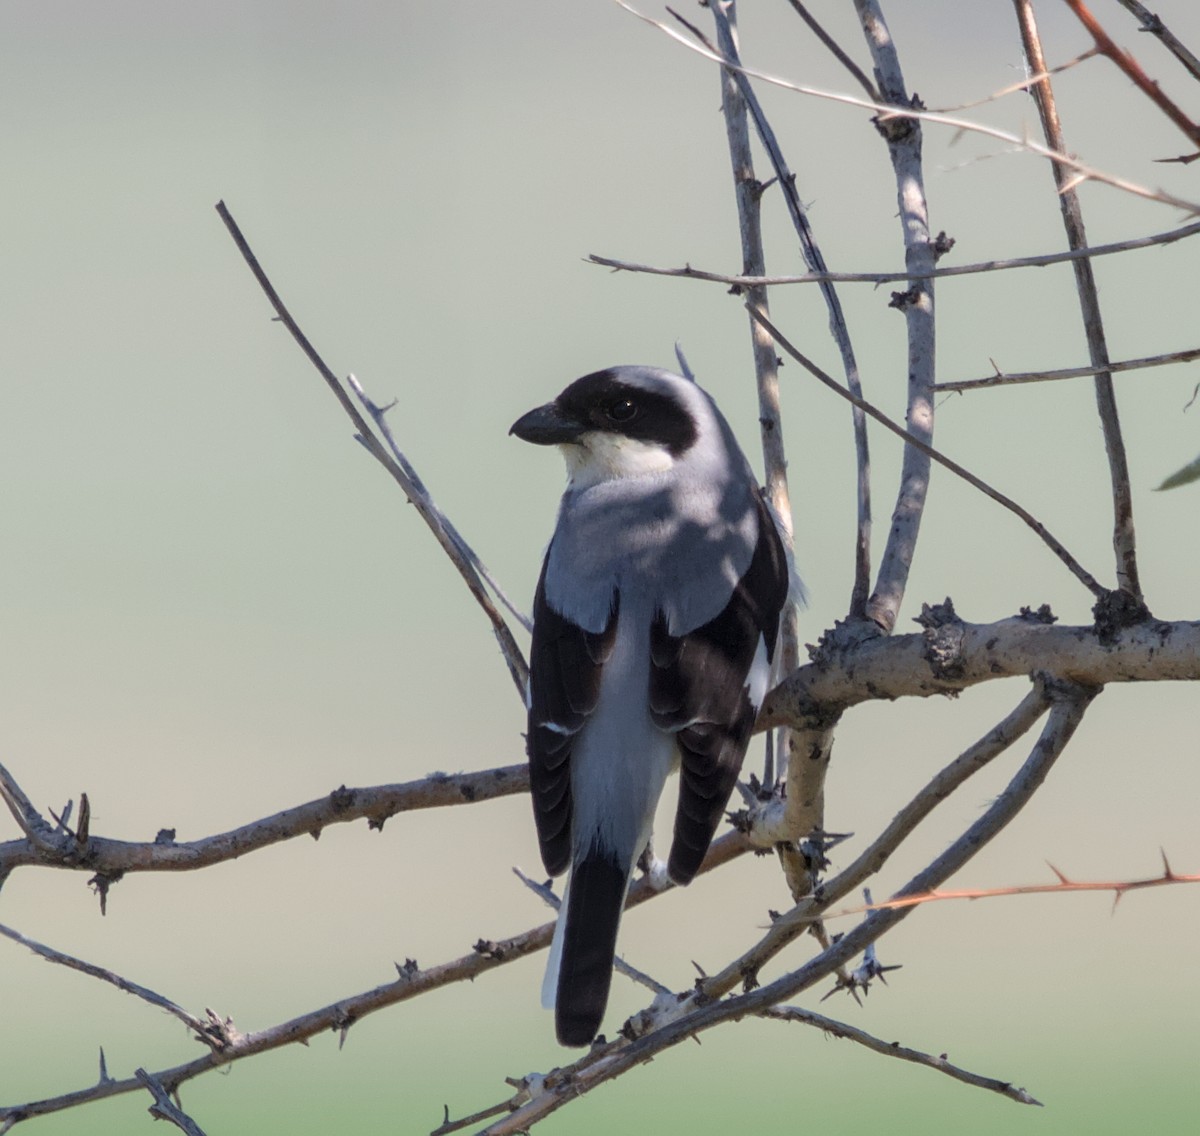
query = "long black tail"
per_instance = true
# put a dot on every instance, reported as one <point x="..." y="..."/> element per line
<point x="594" y="902"/>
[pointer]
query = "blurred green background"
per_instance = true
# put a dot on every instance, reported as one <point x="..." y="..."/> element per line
<point x="216" y="606"/>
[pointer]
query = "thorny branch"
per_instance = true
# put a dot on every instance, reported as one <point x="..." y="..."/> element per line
<point x="1154" y="25"/>
<point x="1168" y="877"/>
<point x="1130" y="66"/>
<point x="227" y="1044"/>
<point x="687" y="272"/>
<point x="610" y="1060"/>
<point x="1000" y="378"/>
<point x="947" y="656"/>
<point x="940" y="1063"/>
<point x="452" y="543"/>
<point x="45" y="847"/>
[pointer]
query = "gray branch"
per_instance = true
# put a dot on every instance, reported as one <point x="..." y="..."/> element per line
<point x="1124" y="541"/>
<point x="903" y="138"/>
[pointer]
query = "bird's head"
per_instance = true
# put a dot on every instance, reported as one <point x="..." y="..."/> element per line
<point x="623" y="422"/>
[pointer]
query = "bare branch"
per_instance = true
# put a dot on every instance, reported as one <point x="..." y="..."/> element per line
<point x="1133" y="71"/>
<point x="453" y="547"/>
<point x="904" y="147"/>
<point x="229" y="1045"/>
<point x="687" y="272"/>
<point x="1000" y="379"/>
<point x="871" y="860"/>
<point x="1124" y="541"/>
<point x="886" y="112"/>
<point x="894" y="1049"/>
<point x="145" y="993"/>
<point x="838" y="328"/>
<point x="1154" y="25"/>
<point x="953" y="657"/>
<point x="164" y="1108"/>
<point x="748" y="195"/>
<point x="835" y="49"/>
<point x="379" y="417"/>
<point x="606" y="1062"/>
<point x="1056" y="546"/>
<point x="1062" y="885"/>
<point x="375" y="804"/>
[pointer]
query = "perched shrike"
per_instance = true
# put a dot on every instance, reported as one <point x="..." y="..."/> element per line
<point x="654" y="627"/>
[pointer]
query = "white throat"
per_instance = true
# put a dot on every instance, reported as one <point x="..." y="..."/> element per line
<point x="601" y="456"/>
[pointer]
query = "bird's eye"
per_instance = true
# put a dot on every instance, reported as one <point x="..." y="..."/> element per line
<point x="622" y="411"/>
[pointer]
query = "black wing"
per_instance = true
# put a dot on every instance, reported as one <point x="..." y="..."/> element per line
<point x="698" y="687"/>
<point x="564" y="686"/>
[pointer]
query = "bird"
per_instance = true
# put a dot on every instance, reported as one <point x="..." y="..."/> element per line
<point x="655" y="622"/>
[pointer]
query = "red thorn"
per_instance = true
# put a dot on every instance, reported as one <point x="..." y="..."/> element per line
<point x="1061" y="878"/>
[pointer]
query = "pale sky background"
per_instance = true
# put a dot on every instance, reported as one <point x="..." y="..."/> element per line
<point x="217" y="606"/>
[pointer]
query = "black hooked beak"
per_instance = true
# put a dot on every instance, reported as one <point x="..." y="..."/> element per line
<point x="547" y="426"/>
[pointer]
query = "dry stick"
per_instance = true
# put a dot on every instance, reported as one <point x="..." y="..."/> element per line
<point x="904" y="147"/>
<point x="889" y="112"/>
<point x="513" y="657"/>
<point x="374" y="804"/>
<point x="1000" y="378"/>
<point x="1133" y="70"/>
<point x="687" y="272"/>
<point x="145" y="993"/>
<point x="894" y="1049"/>
<point x="836" y="50"/>
<point x="616" y="1058"/>
<point x="837" y="321"/>
<point x="809" y="748"/>
<point x="1154" y="25"/>
<point x="340" y="1016"/>
<point x="164" y="1108"/>
<point x="1120" y="888"/>
<point x="379" y="417"/>
<point x="1124" y="541"/>
<point x="748" y="192"/>
<point x="871" y="860"/>
<point x="1055" y="545"/>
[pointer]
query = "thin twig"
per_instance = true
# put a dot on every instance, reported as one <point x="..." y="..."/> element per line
<point x="894" y="1049"/>
<point x="513" y="657"/>
<point x="164" y="1108"/>
<point x="886" y="112"/>
<point x="1154" y="25"/>
<point x="545" y="892"/>
<point x="1052" y="542"/>
<point x="687" y="272"/>
<point x="145" y="993"/>
<point x="838" y="328"/>
<point x="836" y="50"/>
<point x="1124" y="540"/>
<point x="1168" y="877"/>
<point x="1000" y="378"/>
<point x="1133" y="71"/>
<point x="748" y="192"/>
<point x="379" y="417"/>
